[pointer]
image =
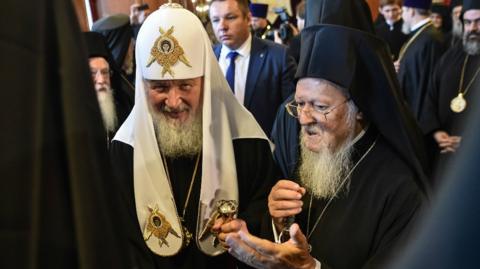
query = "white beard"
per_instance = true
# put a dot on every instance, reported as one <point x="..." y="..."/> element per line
<point x="405" y="28"/>
<point x="107" y="107"/>
<point x="128" y="67"/>
<point x="457" y="28"/>
<point x="178" y="139"/>
<point x="323" y="173"/>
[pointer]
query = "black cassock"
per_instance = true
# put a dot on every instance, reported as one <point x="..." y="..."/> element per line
<point x="436" y="113"/>
<point x="395" y="38"/>
<point x="417" y="65"/>
<point x="58" y="201"/>
<point x="363" y="228"/>
<point x="256" y="175"/>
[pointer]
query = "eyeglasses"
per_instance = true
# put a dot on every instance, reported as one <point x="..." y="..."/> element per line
<point x="293" y="108"/>
<point x="103" y="72"/>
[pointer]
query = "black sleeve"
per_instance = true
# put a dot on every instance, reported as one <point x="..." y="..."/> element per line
<point x="401" y="213"/>
<point x="285" y="137"/>
<point x="121" y="158"/>
<point x="289" y="67"/>
<point x="256" y="173"/>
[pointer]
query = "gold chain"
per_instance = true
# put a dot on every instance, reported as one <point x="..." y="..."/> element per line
<point x="404" y="48"/>
<point x="460" y="86"/>
<point x="309" y="233"/>
<point x="192" y="180"/>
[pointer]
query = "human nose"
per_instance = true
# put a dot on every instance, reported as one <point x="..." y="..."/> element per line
<point x="173" y="98"/>
<point x="305" y="116"/>
<point x="475" y="26"/>
<point x="222" y="25"/>
<point x="99" y="77"/>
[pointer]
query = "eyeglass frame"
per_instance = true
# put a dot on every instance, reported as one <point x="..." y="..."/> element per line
<point x="290" y="107"/>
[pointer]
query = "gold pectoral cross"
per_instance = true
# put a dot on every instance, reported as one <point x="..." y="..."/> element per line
<point x="158" y="226"/>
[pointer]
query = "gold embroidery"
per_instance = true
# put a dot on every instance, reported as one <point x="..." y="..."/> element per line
<point x="158" y="226"/>
<point x="167" y="52"/>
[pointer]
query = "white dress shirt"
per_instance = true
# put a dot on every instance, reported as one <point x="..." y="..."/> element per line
<point x="241" y="66"/>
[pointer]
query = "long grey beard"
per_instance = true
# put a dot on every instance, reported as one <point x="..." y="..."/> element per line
<point x="128" y="68"/>
<point x="406" y="28"/>
<point x="176" y="139"/>
<point x="457" y="28"/>
<point x="107" y="107"/>
<point x="471" y="46"/>
<point x="323" y="173"/>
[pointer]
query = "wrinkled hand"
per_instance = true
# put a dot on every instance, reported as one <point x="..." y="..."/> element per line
<point x="261" y="253"/>
<point x="447" y="143"/>
<point x="223" y="226"/>
<point x="285" y="200"/>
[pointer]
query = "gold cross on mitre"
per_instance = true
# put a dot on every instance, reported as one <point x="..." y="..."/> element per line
<point x="167" y="52"/>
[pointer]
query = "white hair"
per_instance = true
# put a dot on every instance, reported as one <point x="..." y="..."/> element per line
<point x="106" y="102"/>
<point x="177" y="139"/>
<point x="324" y="172"/>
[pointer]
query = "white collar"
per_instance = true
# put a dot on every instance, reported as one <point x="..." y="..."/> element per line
<point x="419" y="24"/>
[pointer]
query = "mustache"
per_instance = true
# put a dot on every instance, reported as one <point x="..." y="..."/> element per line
<point x="181" y="108"/>
<point x="311" y="129"/>
<point x="474" y="34"/>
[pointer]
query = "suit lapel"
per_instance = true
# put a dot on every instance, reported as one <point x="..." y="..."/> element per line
<point x="258" y="53"/>
<point x="217" y="49"/>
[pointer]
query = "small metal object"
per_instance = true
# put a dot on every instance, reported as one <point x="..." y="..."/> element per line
<point x="285" y="233"/>
<point x="226" y="209"/>
<point x="458" y="104"/>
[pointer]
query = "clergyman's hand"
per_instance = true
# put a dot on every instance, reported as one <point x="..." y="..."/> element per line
<point x="446" y="142"/>
<point x="223" y="227"/>
<point x="285" y="200"/>
<point x="261" y="253"/>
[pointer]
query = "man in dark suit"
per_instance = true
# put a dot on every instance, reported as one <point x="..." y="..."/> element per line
<point x="259" y="72"/>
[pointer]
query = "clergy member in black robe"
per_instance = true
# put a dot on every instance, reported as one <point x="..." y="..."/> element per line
<point x="419" y="55"/>
<point x="58" y="201"/>
<point x="349" y="13"/>
<point x="393" y="35"/>
<point x="438" y="113"/>
<point x="122" y="89"/>
<point x="234" y="161"/>
<point x="449" y="236"/>
<point x="365" y="224"/>
<point x="119" y="36"/>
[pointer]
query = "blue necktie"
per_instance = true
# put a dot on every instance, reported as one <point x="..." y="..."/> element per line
<point x="232" y="55"/>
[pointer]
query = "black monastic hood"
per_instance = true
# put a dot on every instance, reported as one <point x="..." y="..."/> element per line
<point x="118" y="33"/>
<point x="350" y="13"/>
<point x="360" y="62"/>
